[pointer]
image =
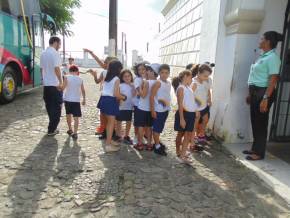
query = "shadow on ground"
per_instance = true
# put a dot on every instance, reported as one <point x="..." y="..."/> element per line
<point x="30" y="181"/>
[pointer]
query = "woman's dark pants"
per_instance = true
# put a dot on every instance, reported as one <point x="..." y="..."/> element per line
<point x="259" y="120"/>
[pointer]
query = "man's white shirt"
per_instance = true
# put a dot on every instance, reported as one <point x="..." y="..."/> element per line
<point x="49" y="60"/>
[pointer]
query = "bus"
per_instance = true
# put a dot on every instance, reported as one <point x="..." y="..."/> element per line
<point x="21" y="44"/>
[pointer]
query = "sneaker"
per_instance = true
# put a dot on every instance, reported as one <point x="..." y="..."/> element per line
<point x="149" y="147"/>
<point x="99" y="130"/>
<point x="202" y="140"/>
<point x="163" y="146"/>
<point x="139" y="147"/>
<point x="103" y="136"/>
<point x="135" y="141"/>
<point x="74" y="136"/>
<point x="127" y="140"/>
<point x="117" y="138"/>
<point x="115" y="143"/>
<point x="111" y="148"/>
<point x="69" y="132"/>
<point x="53" y="133"/>
<point x="186" y="160"/>
<point x="160" y="151"/>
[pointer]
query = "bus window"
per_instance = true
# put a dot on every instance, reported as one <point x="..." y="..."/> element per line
<point x="4" y="6"/>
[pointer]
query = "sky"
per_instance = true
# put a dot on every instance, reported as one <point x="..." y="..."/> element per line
<point x="137" y="18"/>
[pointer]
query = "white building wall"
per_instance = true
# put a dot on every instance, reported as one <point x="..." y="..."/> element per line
<point x="274" y="17"/>
<point x="180" y="42"/>
<point x="209" y="31"/>
<point x="230" y="118"/>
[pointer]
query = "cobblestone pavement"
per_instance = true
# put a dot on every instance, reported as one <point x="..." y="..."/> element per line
<point x="55" y="177"/>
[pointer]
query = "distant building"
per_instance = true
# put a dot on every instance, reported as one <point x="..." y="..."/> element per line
<point x="152" y="54"/>
<point x="136" y="58"/>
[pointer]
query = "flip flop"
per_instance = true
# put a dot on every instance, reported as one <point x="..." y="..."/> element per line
<point x="250" y="158"/>
<point x="248" y="152"/>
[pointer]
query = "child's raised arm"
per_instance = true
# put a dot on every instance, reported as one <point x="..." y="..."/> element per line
<point x="101" y="63"/>
<point x="95" y="75"/>
<point x="154" y="90"/>
<point x="83" y="94"/>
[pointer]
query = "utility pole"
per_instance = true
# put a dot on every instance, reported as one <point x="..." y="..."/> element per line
<point x="122" y="47"/>
<point x="126" y="56"/>
<point x="113" y="28"/>
<point x="63" y="44"/>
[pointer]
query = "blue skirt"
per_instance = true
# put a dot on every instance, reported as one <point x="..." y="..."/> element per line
<point x="189" y="118"/>
<point x="108" y="105"/>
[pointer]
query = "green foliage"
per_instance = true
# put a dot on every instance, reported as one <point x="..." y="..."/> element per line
<point x="62" y="13"/>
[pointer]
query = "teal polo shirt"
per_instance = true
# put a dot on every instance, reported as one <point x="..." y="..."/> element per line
<point x="268" y="64"/>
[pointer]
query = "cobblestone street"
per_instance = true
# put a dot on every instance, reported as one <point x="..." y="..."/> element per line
<point x="56" y="177"/>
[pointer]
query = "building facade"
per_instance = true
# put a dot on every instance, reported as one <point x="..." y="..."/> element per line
<point x="227" y="32"/>
<point x="180" y="40"/>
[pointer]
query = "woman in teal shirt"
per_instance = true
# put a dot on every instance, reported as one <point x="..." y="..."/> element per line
<point x="262" y="82"/>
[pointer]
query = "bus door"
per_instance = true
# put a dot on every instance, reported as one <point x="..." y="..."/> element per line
<point x="38" y="45"/>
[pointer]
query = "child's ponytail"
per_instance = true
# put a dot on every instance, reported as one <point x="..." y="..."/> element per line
<point x="194" y="70"/>
<point x="175" y="82"/>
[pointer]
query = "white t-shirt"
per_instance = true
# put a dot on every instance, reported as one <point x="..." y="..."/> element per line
<point x="109" y="87"/>
<point x="189" y="103"/>
<point x="72" y="92"/>
<point x="201" y="92"/>
<point x="49" y="60"/>
<point x="144" y="103"/>
<point x="104" y="74"/>
<point x="127" y="90"/>
<point x="137" y="84"/>
<point x="164" y="92"/>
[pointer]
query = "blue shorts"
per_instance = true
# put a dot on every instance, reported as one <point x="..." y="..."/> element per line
<point x="159" y="122"/>
<point x="73" y="108"/>
<point x="189" y="118"/>
<point x="109" y="105"/>
<point x="125" y="115"/>
<point x="203" y="113"/>
<point x="142" y="118"/>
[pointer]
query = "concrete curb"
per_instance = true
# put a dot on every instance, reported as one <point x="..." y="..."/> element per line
<point x="272" y="170"/>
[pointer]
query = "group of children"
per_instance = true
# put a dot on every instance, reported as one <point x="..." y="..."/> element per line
<point x="145" y="101"/>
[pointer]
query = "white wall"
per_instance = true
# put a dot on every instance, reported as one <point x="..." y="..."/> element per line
<point x="274" y="17"/>
<point x="230" y="118"/>
<point x="209" y="31"/>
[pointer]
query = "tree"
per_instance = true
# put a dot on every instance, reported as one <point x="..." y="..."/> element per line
<point x="62" y="13"/>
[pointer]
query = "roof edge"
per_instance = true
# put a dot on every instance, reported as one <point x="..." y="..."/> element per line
<point x="168" y="7"/>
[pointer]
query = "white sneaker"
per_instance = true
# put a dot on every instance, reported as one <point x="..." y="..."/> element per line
<point x="181" y="160"/>
<point x="111" y="148"/>
<point x="116" y="144"/>
<point x="135" y="141"/>
<point x="53" y="133"/>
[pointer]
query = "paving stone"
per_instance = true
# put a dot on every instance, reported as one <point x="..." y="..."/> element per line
<point x="56" y="177"/>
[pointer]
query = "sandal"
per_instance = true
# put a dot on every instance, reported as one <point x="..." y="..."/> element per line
<point x="139" y="147"/>
<point x="186" y="160"/>
<point x="248" y="152"/>
<point x="251" y="158"/>
<point x="70" y="132"/>
<point x="149" y="147"/>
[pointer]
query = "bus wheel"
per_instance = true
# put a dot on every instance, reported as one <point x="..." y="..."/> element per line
<point x="8" y="85"/>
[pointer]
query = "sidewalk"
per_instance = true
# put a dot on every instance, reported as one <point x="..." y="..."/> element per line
<point x="274" y="171"/>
